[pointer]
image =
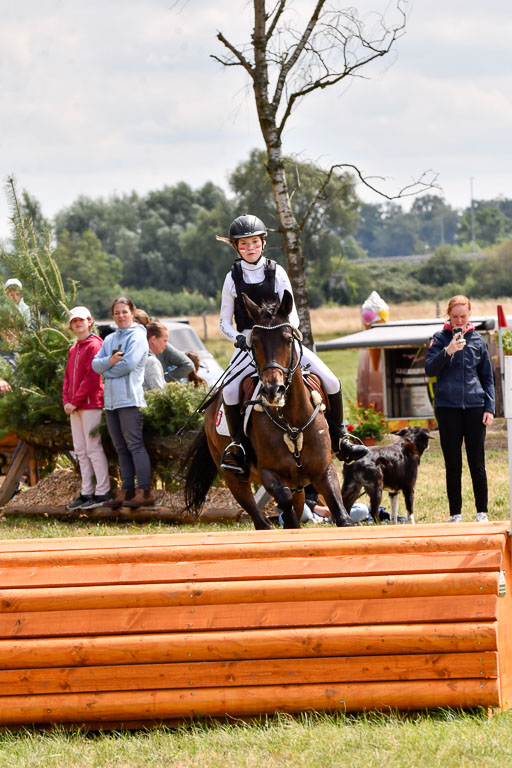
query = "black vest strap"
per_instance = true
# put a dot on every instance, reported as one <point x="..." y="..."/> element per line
<point x="258" y="292"/>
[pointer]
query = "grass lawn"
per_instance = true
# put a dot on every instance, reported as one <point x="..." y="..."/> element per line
<point x="447" y="738"/>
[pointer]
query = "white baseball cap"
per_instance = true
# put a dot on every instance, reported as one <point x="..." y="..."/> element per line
<point x="81" y="312"/>
<point x="12" y="281"/>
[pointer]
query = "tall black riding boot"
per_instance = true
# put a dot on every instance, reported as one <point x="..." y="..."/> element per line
<point x="234" y="458"/>
<point x="342" y="446"/>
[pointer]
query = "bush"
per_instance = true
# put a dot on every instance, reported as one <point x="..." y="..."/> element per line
<point x="168" y="409"/>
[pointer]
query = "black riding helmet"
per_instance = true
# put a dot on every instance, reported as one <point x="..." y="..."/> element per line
<point x="246" y="225"/>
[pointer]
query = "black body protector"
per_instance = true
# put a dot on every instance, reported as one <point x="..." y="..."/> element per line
<point x="258" y="292"/>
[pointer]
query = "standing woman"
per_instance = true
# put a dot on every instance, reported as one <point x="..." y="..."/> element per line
<point x="121" y="361"/>
<point x="463" y="401"/>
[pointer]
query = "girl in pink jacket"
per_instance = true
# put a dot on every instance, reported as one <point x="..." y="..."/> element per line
<point x="82" y="396"/>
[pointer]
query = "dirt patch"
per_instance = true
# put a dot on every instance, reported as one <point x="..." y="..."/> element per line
<point x="63" y="485"/>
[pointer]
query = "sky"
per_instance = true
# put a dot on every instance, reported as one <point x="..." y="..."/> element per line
<point x="105" y="97"/>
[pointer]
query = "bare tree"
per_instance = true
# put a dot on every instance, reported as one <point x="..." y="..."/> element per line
<point x="285" y="64"/>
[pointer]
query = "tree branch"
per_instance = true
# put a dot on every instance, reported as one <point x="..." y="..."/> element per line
<point x="290" y="62"/>
<point x="415" y="188"/>
<point x="342" y="34"/>
<point x="241" y="60"/>
<point x="277" y="13"/>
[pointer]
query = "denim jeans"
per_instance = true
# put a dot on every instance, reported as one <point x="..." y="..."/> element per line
<point x="125" y="428"/>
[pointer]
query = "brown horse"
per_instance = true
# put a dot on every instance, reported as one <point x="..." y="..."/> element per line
<point x="287" y="430"/>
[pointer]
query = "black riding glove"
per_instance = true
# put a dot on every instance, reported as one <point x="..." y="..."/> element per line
<point x="241" y="343"/>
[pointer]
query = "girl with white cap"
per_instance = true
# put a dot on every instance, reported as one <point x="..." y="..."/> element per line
<point x="82" y="396"/>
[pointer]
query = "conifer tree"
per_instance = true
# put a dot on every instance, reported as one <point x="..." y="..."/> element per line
<point x="39" y="349"/>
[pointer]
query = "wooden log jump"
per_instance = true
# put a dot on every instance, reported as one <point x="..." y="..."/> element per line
<point x="132" y="630"/>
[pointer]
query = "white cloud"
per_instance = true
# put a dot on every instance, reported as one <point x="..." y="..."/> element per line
<point x="98" y="97"/>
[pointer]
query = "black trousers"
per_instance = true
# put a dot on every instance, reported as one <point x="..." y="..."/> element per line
<point x="456" y="425"/>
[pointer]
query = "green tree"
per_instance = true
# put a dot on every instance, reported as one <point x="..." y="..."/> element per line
<point x="205" y="260"/>
<point x="491" y="225"/>
<point x="333" y="217"/>
<point x="492" y="276"/>
<point x="41" y="349"/>
<point x="351" y="249"/>
<point x="144" y="233"/>
<point x="97" y="275"/>
<point x="443" y="267"/>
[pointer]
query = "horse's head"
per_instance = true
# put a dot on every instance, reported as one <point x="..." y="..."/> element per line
<point x="271" y="340"/>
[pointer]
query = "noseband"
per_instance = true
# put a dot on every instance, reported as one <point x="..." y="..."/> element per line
<point x="290" y="370"/>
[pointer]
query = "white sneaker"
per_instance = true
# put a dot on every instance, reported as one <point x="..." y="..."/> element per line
<point x="454" y="519"/>
<point x="481" y="517"/>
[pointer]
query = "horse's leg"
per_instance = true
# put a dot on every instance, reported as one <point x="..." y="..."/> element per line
<point x="283" y="497"/>
<point x="329" y="486"/>
<point x="298" y="504"/>
<point x="241" y="490"/>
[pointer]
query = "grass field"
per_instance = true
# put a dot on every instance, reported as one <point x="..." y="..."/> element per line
<point x="447" y="738"/>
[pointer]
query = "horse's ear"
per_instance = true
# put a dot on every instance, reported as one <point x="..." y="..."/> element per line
<point x="251" y="307"/>
<point x="286" y="304"/>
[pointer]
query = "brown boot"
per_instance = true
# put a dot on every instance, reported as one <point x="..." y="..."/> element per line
<point x="119" y="499"/>
<point x="142" y="498"/>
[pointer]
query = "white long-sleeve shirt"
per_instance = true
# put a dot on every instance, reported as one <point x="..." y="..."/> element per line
<point x="252" y="273"/>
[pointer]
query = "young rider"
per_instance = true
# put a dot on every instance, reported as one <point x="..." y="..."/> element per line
<point x="264" y="280"/>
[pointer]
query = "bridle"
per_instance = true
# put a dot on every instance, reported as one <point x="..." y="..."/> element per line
<point x="294" y="434"/>
<point x="290" y="370"/>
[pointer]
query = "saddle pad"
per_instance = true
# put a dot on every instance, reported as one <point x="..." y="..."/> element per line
<point x="314" y="382"/>
<point x="221" y="425"/>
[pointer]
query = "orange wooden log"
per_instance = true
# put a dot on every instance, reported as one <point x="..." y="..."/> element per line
<point x="211" y="593"/>
<point x="460" y="637"/>
<point x="505" y="632"/>
<point x="244" y="701"/>
<point x="221" y="674"/>
<point x="103" y="621"/>
<point x="425" y="537"/>
<point x="291" y="567"/>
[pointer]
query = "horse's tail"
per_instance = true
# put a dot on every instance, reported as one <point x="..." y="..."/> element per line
<point x="200" y="473"/>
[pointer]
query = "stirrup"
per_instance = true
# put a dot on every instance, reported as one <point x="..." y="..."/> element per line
<point x="238" y="458"/>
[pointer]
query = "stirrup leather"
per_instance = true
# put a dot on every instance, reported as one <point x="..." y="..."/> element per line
<point x="238" y="458"/>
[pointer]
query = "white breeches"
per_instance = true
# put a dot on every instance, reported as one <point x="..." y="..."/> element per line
<point x="90" y="453"/>
<point x="244" y="366"/>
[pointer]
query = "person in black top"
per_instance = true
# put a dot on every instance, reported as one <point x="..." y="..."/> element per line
<point x="463" y="401"/>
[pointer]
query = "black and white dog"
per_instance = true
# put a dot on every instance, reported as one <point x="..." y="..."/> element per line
<point x="393" y="468"/>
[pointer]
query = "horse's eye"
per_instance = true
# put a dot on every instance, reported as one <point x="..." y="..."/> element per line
<point x="289" y="339"/>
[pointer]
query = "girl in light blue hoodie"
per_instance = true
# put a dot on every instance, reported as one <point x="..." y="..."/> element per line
<point x="121" y="361"/>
